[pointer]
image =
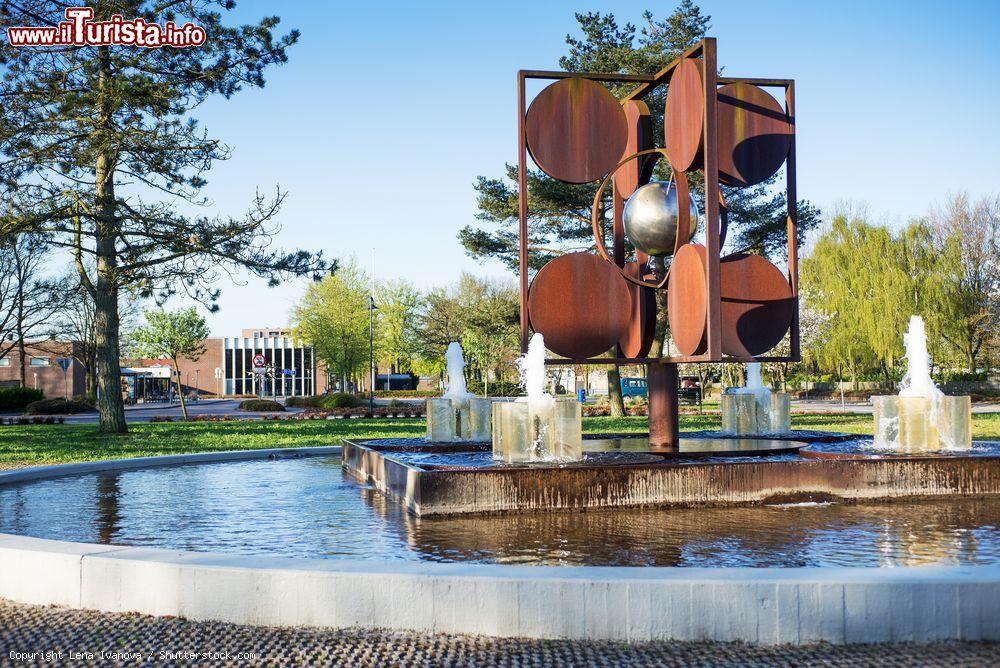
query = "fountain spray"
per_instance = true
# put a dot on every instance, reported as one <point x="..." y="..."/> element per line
<point x="538" y="426"/>
<point x="921" y="418"/>
<point x="455" y="361"/>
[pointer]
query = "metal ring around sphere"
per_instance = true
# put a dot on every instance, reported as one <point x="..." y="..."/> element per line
<point x="683" y="216"/>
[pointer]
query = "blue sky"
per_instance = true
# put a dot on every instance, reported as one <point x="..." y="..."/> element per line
<point x="897" y="107"/>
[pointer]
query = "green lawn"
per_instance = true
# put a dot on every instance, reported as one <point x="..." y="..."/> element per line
<point x="50" y="444"/>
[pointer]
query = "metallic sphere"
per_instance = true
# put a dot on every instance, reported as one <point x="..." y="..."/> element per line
<point x="651" y="218"/>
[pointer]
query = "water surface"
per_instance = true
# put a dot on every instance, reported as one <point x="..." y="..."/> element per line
<point x="307" y="508"/>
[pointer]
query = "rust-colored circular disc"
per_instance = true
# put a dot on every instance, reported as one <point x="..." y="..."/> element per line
<point x="757" y="305"/>
<point x="636" y="172"/>
<point x="754" y="135"/>
<point x="576" y="130"/>
<point x="641" y="331"/>
<point x="683" y="116"/>
<point x="580" y="304"/>
<point x="687" y="304"/>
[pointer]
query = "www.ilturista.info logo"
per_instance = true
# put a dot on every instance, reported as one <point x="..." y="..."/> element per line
<point x="79" y="29"/>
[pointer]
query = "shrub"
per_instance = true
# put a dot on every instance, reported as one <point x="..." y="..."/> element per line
<point x="57" y="407"/>
<point x="341" y="400"/>
<point x="89" y="399"/>
<point x="960" y="377"/>
<point x="303" y="402"/>
<point x="261" y="406"/>
<point x="404" y="394"/>
<point x="498" y="388"/>
<point x="17" y="398"/>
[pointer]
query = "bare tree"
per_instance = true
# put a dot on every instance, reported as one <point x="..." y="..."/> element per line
<point x="77" y="322"/>
<point x="28" y="298"/>
<point x="967" y="236"/>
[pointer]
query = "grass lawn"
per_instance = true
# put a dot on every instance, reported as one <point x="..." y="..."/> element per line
<point x="51" y="444"/>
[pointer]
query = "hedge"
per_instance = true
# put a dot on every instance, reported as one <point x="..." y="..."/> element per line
<point x="407" y="394"/>
<point x="18" y="398"/>
<point x="261" y="406"/>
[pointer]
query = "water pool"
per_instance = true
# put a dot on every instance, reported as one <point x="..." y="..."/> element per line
<point x="306" y="508"/>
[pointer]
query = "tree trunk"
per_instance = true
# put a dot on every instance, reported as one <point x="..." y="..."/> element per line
<point x="21" y="277"/>
<point x="180" y="391"/>
<point x="21" y="355"/>
<point x="110" y="403"/>
<point x="615" y="392"/>
<point x="106" y="317"/>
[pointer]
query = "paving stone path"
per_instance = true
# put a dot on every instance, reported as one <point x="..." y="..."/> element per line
<point x="92" y="638"/>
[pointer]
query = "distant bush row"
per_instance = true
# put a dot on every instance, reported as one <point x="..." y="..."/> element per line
<point x="22" y="420"/>
<point x="336" y="400"/>
<point x="497" y="388"/>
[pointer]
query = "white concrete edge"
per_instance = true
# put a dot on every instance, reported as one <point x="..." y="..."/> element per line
<point x="759" y="605"/>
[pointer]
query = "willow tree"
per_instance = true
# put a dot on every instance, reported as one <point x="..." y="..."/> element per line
<point x="857" y="277"/>
<point x="101" y="139"/>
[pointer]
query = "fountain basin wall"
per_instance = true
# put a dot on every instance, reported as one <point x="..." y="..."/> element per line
<point x="442" y="492"/>
<point x="759" y="605"/>
<point x="766" y="606"/>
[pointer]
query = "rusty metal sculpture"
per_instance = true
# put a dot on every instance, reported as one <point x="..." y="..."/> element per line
<point x="720" y="309"/>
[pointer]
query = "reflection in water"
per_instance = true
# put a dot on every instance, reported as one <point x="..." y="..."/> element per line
<point x="107" y="507"/>
<point x="306" y="508"/>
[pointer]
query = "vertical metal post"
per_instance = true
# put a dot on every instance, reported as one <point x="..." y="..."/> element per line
<point x="371" y="343"/>
<point x="371" y="356"/>
<point x="711" y="144"/>
<point x="792" y="223"/>
<point x="664" y="422"/>
<point x="522" y="206"/>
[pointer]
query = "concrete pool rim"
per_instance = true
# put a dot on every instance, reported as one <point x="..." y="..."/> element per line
<point x="759" y="605"/>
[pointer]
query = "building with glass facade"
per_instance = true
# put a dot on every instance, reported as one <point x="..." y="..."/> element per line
<point x="290" y="365"/>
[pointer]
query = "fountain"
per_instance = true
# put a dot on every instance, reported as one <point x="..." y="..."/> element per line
<point x="457" y="415"/>
<point x="754" y="409"/>
<point x="921" y="418"/>
<point x="537" y="427"/>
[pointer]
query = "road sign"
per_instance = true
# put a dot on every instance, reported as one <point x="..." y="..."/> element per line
<point x="259" y="363"/>
<point x="218" y="373"/>
<point x="63" y="363"/>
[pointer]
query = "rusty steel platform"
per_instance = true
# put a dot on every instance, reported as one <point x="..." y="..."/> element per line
<point x="448" y="479"/>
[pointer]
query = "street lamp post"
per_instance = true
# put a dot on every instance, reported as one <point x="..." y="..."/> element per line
<point x="371" y="355"/>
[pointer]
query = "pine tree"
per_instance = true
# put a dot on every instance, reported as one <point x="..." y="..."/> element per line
<point x="102" y="141"/>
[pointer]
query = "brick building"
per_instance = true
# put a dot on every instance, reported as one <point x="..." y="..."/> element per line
<point x="42" y="370"/>
<point x="225" y="368"/>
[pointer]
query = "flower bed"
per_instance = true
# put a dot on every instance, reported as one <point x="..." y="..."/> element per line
<point x="21" y="420"/>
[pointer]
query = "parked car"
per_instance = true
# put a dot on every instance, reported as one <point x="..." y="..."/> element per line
<point x="633" y="387"/>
